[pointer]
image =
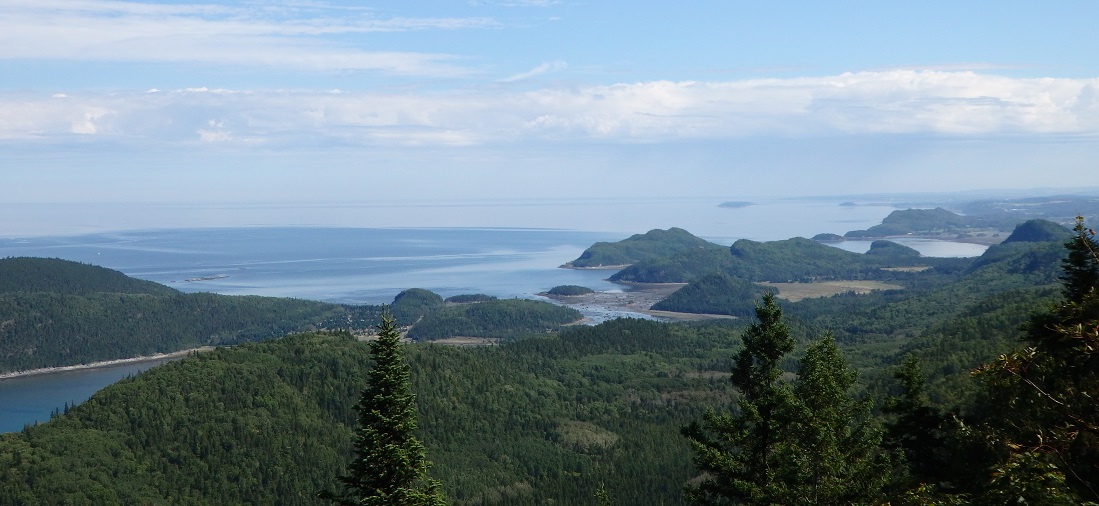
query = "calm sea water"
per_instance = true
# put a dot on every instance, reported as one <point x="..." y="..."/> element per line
<point x="371" y="265"/>
<point x="355" y="266"/>
<point x="32" y="399"/>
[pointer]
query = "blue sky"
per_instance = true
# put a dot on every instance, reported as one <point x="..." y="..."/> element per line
<point x="313" y="101"/>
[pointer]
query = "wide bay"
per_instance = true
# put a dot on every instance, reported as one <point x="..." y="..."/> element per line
<point x="355" y="265"/>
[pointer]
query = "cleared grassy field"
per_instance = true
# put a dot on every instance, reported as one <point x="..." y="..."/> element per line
<point x="794" y="292"/>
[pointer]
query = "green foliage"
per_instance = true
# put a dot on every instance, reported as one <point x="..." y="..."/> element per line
<point x="890" y="249"/>
<point x="496" y="319"/>
<point x="389" y="466"/>
<point x="469" y="298"/>
<point x="740" y="455"/>
<point x="1037" y="231"/>
<point x="31" y="275"/>
<point x="593" y="411"/>
<point x="680" y="268"/>
<point x="1081" y="271"/>
<point x="415" y="303"/>
<point x="796" y="259"/>
<point x="1029" y="477"/>
<point x="714" y="294"/>
<point x="601" y="497"/>
<point x="535" y="421"/>
<point x="921" y="221"/>
<point x="812" y="444"/>
<point x="834" y="454"/>
<point x="1045" y="392"/>
<point x="800" y="259"/>
<point x="952" y="319"/>
<point x="938" y="457"/>
<point x="569" y="290"/>
<point x="650" y="245"/>
<point x="827" y="237"/>
<point x="46" y="329"/>
<point x="256" y="424"/>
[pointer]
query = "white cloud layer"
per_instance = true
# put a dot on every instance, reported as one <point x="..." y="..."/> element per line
<point x="297" y="36"/>
<point x="888" y="102"/>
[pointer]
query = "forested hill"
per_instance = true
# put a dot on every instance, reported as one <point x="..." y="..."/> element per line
<point x="1029" y="260"/>
<point x="57" y="313"/>
<point x="557" y="418"/>
<point x="29" y="275"/>
<point x="982" y="217"/>
<point x="499" y="319"/>
<point x="538" y="421"/>
<point x="927" y="221"/>
<point x="46" y="329"/>
<point x="652" y="244"/>
<point x="796" y="259"/>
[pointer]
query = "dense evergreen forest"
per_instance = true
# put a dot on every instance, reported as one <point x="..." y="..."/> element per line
<point x="501" y="319"/>
<point x="856" y="399"/>
<point x="56" y="313"/>
<point x="796" y="259"/>
<point x="269" y="423"/>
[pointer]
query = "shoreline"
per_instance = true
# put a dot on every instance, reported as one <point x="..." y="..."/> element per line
<point x="984" y="240"/>
<point x="636" y="298"/>
<point x="103" y="364"/>
<point x="594" y="267"/>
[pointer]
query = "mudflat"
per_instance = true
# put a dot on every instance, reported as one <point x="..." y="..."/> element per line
<point x="636" y="298"/>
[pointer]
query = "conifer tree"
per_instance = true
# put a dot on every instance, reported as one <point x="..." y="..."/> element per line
<point x="739" y="454"/>
<point x="925" y="436"/>
<point x="389" y="466"/>
<point x="1048" y="392"/>
<point x="835" y="454"/>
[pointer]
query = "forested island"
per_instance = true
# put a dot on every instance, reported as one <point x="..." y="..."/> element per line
<point x="860" y="397"/>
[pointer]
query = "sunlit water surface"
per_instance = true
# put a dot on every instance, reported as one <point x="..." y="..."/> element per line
<point x="351" y="264"/>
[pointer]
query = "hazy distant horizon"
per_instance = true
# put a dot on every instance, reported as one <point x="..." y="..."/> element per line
<point x="769" y="217"/>
<point x="234" y="101"/>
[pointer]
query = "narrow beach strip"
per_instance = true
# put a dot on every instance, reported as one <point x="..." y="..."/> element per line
<point x="105" y="363"/>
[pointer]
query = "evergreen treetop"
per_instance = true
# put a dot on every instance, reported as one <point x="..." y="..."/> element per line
<point x="389" y="465"/>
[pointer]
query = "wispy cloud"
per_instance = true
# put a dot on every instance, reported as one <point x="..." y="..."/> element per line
<point x="524" y="3"/>
<point x="893" y="102"/>
<point x="555" y="66"/>
<point x="289" y="35"/>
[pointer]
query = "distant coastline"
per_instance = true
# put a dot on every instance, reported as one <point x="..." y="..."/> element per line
<point x="735" y="204"/>
<point x="207" y="278"/>
<point x="105" y="363"/>
<point x="619" y="267"/>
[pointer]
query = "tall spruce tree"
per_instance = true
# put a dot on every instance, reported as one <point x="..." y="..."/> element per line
<point x="389" y="466"/>
<point x="835" y="454"/>
<point x="739" y="455"/>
